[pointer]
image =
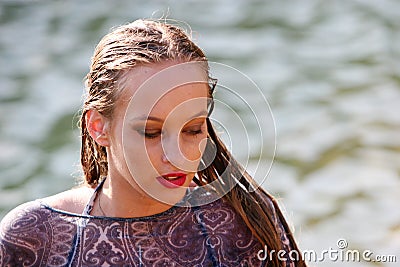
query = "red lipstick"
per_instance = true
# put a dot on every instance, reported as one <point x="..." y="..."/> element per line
<point x="172" y="180"/>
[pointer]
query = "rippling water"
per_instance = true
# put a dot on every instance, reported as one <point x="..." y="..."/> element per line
<point x="329" y="69"/>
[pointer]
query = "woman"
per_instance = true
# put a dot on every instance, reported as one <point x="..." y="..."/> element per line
<point x="160" y="186"/>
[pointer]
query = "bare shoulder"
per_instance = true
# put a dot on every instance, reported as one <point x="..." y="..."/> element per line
<point x="73" y="200"/>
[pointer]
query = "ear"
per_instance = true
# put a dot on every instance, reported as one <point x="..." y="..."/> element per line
<point x="97" y="127"/>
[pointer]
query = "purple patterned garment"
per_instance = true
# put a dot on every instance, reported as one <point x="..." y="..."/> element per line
<point x="35" y="234"/>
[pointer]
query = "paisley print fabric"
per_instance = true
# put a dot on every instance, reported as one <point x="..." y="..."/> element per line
<point x="35" y="234"/>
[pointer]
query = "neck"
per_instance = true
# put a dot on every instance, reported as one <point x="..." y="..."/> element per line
<point x="118" y="198"/>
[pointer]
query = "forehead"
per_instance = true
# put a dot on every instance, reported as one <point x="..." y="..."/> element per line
<point x="166" y="85"/>
<point x="154" y="80"/>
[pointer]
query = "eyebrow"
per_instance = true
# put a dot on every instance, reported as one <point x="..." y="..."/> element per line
<point x="152" y="118"/>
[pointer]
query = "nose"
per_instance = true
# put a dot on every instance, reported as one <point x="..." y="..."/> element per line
<point x="171" y="153"/>
<point x="164" y="158"/>
<point x="170" y="150"/>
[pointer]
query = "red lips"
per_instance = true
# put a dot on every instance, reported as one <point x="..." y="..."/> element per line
<point x="172" y="180"/>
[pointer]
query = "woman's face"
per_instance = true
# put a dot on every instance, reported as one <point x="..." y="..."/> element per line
<point x="159" y="129"/>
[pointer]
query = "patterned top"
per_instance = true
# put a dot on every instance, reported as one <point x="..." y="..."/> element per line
<point x="35" y="234"/>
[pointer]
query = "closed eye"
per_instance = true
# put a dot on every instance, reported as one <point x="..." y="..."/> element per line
<point x="194" y="132"/>
<point x="195" y="127"/>
<point x="149" y="134"/>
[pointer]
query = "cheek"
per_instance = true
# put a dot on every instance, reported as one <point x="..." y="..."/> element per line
<point x="142" y="157"/>
<point x="193" y="148"/>
<point x="152" y="153"/>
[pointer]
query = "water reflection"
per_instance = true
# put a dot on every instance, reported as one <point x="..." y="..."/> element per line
<point x="329" y="70"/>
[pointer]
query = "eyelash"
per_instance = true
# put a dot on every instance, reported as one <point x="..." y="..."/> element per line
<point x="154" y="135"/>
<point x="151" y="135"/>
<point x="194" y="132"/>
